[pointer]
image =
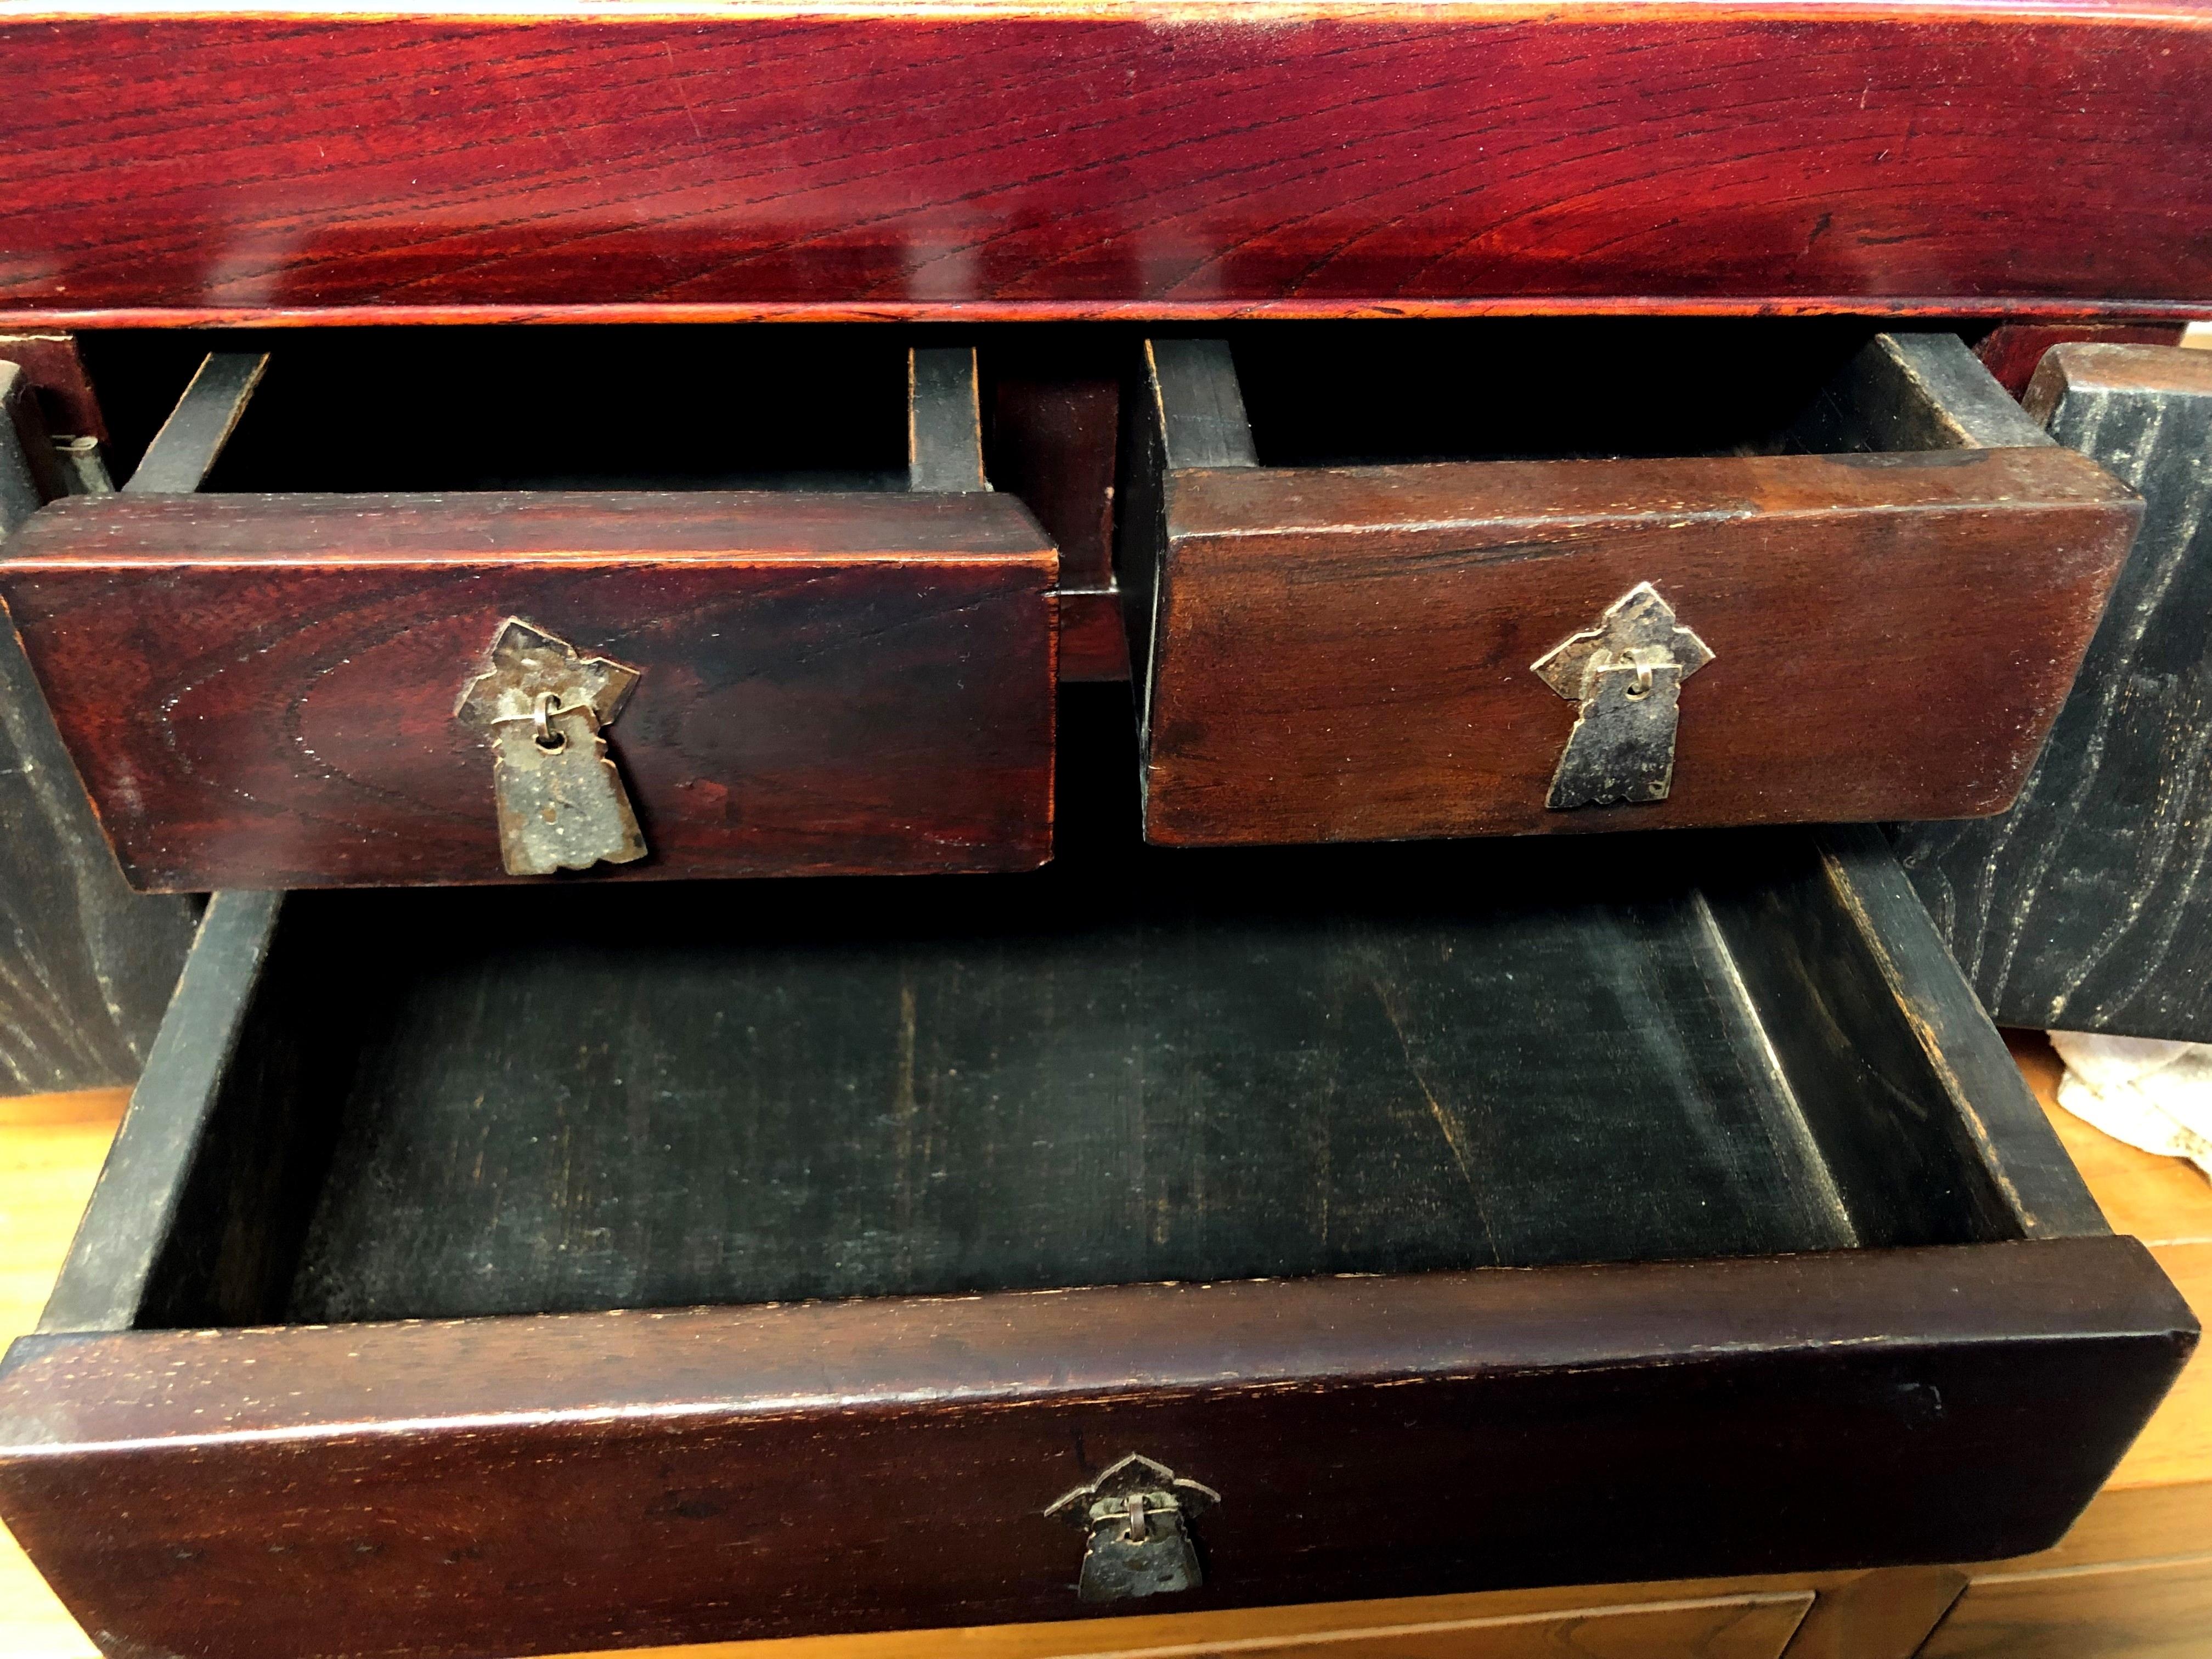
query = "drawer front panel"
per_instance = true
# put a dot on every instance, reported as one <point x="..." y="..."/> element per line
<point x="487" y="1487"/>
<point x="1346" y="653"/>
<point x="261" y="691"/>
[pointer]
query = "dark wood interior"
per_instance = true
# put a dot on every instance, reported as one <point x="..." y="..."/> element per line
<point x="577" y="408"/>
<point x="1138" y="1066"/>
<point x="1344" y="394"/>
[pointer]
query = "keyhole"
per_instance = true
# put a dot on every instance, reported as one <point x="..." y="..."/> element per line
<point x="1637" y="690"/>
<point x="554" y="742"/>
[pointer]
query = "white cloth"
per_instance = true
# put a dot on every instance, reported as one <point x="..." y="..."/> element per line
<point x="2150" y="1093"/>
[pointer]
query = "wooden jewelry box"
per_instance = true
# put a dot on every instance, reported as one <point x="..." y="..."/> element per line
<point x="535" y="1258"/>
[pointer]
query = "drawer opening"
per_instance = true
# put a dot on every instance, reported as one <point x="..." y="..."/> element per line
<point x="1360" y="394"/>
<point x="1135" y="1066"/>
<point x="680" y="407"/>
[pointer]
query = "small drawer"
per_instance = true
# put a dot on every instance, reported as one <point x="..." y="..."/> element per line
<point x="832" y="644"/>
<point x="679" y="1264"/>
<point x="1407" y="580"/>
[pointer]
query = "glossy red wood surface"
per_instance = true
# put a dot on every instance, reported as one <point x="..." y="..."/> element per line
<point x="1066" y="159"/>
<point x="258" y="690"/>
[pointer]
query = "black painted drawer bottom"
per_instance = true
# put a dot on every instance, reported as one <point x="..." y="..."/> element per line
<point x="1465" y="1216"/>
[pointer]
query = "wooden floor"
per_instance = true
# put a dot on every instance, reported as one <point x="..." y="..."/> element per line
<point x="2132" y="1580"/>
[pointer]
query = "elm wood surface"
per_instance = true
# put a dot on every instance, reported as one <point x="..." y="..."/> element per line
<point x="258" y="690"/>
<point x="2085" y="907"/>
<point x="1063" y="160"/>
<point x="1336" y="652"/>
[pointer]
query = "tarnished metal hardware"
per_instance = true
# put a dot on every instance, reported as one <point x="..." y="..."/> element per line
<point x="1136" y="1517"/>
<point x="541" y="706"/>
<point x="1626" y="673"/>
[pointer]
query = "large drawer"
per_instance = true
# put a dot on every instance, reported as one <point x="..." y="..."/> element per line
<point x="507" y="1271"/>
<point x="1387" y="580"/>
<point x="842" y="640"/>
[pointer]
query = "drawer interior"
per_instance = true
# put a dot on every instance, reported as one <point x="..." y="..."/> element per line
<point x="673" y="407"/>
<point x="1138" y="1066"/>
<point x="1363" y="393"/>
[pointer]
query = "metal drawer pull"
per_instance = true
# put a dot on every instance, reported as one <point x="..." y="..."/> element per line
<point x="1626" y="673"/>
<point x="542" y="707"/>
<point x="1135" y="1517"/>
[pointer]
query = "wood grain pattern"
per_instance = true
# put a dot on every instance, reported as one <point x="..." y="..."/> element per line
<point x="772" y="1470"/>
<point x="259" y="690"/>
<point x="1877" y="1615"/>
<point x="2085" y="906"/>
<point x="1066" y="159"/>
<point x="2136" y="1610"/>
<point x="1343" y="655"/>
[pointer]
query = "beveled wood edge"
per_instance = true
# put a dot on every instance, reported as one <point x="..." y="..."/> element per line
<point x="61" y="1394"/>
<point x="981" y="528"/>
<point x="944" y="420"/>
<point x="1957" y="398"/>
<point x="2116" y="369"/>
<point x="1197" y="404"/>
<point x="1216" y="506"/>
<point x="134" y="1204"/>
<point x="2021" y="1152"/>
<point x="2062" y="308"/>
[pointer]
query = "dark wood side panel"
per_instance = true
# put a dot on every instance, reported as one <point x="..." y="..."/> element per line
<point x="1344" y="655"/>
<point x="2086" y="908"/>
<point x="1016" y="160"/>
<point x="1869" y="1020"/>
<point x="133" y="1212"/>
<point x="85" y="965"/>
<point x="483" y="1487"/>
<point x="259" y="690"/>
<point x="1055" y="400"/>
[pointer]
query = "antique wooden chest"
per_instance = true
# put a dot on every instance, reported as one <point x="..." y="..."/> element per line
<point x="1457" y="423"/>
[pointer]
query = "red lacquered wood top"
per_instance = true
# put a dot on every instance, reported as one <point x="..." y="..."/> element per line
<point x="169" y="163"/>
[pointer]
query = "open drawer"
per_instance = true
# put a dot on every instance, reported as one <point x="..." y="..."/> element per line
<point x="516" y="1270"/>
<point x="1410" y="580"/>
<point x="787" y="628"/>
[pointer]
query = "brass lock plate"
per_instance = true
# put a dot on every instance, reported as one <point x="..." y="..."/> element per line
<point x="1136" y="1518"/>
<point x="1626" y="675"/>
<point x="542" y="707"/>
